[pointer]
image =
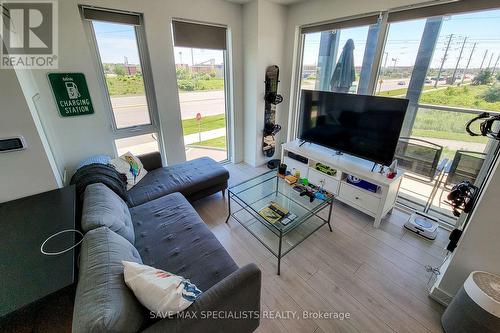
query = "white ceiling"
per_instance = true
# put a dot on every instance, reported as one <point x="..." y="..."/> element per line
<point x="281" y="2"/>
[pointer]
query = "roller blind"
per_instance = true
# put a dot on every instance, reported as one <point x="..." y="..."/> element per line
<point x="444" y="9"/>
<point x="111" y="16"/>
<point x="341" y="24"/>
<point x="199" y="36"/>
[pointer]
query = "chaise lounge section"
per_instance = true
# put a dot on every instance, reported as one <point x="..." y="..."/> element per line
<point x="194" y="179"/>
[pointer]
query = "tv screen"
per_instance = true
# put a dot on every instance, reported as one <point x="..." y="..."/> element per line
<point x="359" y="125"/>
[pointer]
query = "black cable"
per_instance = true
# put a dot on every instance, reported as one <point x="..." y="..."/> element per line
<point x="485" y="127"/>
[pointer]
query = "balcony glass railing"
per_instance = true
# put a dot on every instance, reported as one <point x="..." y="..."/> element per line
<point x="461" y="157"/>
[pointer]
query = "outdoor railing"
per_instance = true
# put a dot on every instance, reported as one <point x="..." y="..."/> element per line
<point x="445" y="128"/>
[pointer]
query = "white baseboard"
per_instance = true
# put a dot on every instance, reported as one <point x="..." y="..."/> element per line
<point x="440" y="296"/>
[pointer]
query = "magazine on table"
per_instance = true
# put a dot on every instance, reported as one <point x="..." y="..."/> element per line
<point x="273" y="213"/>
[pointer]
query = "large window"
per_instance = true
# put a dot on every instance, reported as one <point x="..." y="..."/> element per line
<point x="337" y="58"/>
<point x="322" y="52"/>
<point x="122" y="56"/>
<point x="398" y="58"/>
<point x="444" y="59"/>
<point x="200" y="62"/>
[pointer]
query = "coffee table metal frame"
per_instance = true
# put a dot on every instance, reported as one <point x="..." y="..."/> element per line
<point x="279" y="232"/>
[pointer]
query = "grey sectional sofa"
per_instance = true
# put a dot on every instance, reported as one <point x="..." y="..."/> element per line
<point x="164" y="231"/>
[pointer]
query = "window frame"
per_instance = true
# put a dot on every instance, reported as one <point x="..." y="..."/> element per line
<point x="341" y="23"/>
<point x="147" y="76"/>
<point x="228" y="83"/>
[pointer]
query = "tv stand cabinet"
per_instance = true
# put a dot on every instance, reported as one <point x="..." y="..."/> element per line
<point x="375" y="204"/>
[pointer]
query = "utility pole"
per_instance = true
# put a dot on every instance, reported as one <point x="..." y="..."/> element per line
<point x="496" y="63"/>
<point x="192" y="57"/>
<point x="491" y="58"/>
<point x="395" y="60"/>
<point x="180" y="55"/>
<point x="458" y="62"/>
<point x="442" y="62"/>
<point x="482" y="62"/>
<point x="468" y="62"/>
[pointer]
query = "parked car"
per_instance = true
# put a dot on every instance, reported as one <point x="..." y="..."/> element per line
<point x="401" y="83"/>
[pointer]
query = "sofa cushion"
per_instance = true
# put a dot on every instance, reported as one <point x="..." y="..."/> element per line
<point x="103" y="207"/>
<point x="187" y="178"/>
<point x="103" y="302"/>
<point x="171" y="236"/>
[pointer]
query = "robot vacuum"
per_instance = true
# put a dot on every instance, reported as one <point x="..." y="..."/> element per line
<point x="422" y="225"/>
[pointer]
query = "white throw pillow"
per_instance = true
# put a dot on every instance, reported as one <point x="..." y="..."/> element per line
<point x="161" y="292"/>
<point x="131" y="166"/>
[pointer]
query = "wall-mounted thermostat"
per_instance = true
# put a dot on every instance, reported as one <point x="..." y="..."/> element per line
<point x="14" y="143"/>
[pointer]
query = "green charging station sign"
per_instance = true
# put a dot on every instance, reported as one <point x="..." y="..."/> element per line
<point x="71" y="94"/>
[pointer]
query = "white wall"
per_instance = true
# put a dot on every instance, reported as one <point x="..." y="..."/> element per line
<point x="28" y="171"/>
<point x="250" y="75"/>
<point x="479" y="248"/>
<point x="264" y="25"/>
<point x="75" y="138"/>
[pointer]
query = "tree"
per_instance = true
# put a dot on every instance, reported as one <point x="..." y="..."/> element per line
<point x="182" y="74"/>
<point x="492" y="95"/>
<point x="119" y="69"/>
<point x="485" y="76"/>
<point x="498" y="77"/>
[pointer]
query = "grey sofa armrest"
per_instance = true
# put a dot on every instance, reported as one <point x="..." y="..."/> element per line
<point x="235" y="301"/>
<point x="151" y="161"/>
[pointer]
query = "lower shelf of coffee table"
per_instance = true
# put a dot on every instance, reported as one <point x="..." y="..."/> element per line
<point x="270" y="237"/>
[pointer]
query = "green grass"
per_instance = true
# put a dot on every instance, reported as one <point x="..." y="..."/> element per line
<point x="448" y="135"/>
<point x="219" y="143"/>
<point x="130" y="85"/>
<point x="213" y="84"/>
<point x="126" y="85"/>
<point x="467" y="96"/>
<point x="190" y="126"/>
<point x="397" y="92"/>
<point x="200" y="85"/>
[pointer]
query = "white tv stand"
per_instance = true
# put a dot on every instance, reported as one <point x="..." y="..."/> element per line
<point x="376" y="204"/>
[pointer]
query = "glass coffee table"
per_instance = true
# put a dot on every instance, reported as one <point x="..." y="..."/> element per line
<point x="254" y="194"/>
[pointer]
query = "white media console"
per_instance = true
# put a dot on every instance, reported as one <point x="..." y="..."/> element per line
<point x="376" y="204"/>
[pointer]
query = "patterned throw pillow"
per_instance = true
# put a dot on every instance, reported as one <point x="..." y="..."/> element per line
<point x="161" y="292"/>
<point x="131" y="166"/>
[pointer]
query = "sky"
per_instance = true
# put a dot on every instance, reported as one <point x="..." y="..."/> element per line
<point x="117" y="41"/>
<point x="403" y="41"/>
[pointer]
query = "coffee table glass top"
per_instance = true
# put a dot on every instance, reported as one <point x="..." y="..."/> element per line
<point x="258" y="192"/>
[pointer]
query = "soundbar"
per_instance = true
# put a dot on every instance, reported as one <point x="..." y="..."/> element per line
<point x="297" y="157"/>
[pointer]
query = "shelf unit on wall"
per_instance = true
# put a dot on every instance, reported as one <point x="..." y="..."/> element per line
<point x="375" y="204"/>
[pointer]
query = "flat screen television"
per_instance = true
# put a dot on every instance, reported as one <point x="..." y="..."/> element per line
<point x="359" y="125"/>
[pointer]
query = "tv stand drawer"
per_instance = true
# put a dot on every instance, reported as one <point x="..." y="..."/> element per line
<point x="359" y="197"/>
<point x="319" y="178"/>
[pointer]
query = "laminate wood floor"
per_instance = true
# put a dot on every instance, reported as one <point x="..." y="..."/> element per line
<point x="376" y="275"/>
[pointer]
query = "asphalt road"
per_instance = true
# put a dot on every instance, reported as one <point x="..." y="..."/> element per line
<point x="132" y="110"/>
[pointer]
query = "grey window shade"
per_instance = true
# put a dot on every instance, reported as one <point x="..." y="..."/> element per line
<point x="458" y="7"/>
<point x="111" y="16"/>
<point x="341" y="24"/>
<point x="199" y="36"/>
